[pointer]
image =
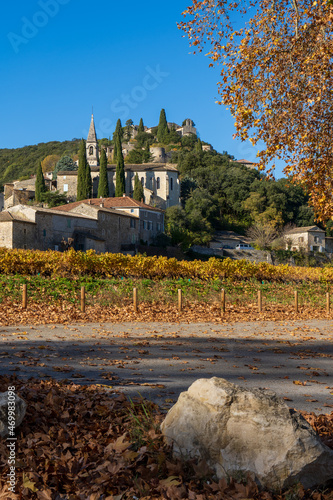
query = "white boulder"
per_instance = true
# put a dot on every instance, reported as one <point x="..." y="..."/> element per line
<point x="240" y="431"/>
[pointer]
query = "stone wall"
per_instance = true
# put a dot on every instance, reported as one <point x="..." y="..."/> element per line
<point x="6" y="234"/>
<point x="24" y="235"/>
<point x="118" y="229"/>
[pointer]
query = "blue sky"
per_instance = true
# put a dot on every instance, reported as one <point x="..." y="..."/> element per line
<point x="126" y="59"/>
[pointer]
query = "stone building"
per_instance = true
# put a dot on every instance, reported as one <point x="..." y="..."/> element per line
<point x="149" y="221"/>
<point x="21" y="192"/>
<point x="126" y="148"/>
<point x="309" y="239"/>
<point x="95" y="227"/>
<point x="160" y="183"/>
<point x="246" y="163"/>
<point x="187" y="129"/>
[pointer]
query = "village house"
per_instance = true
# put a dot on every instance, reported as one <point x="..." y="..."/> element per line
<point x="149" y="221"/>
<point x="160" y="183"/>
<point x="227" y="240"/>
<point x="246" y="163"/>
<point x="309" y="239"/>
<point x="99" y="229"/>
<point x="21" y="192"/>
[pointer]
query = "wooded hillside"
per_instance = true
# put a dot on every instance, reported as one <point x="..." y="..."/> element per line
<point x="22" y="162"/>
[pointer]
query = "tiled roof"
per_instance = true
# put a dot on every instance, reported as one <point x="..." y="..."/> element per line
<point x="8" y="217"/>
<point x="305" y="229"/>
<point x="244" y="161"/>
<point x="116" y="202"/>
<point x="142" y="167"/>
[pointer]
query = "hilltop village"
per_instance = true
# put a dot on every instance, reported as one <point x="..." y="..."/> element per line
<point x="155" y="186"/>
<point x="111" y="224"/>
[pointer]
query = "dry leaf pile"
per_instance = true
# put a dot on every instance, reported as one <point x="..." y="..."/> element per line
<point x="90" y="443"/>
<point x="12" y="313"/>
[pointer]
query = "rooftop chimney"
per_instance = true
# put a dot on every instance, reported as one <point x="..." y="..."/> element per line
<point x="124" y="195"/>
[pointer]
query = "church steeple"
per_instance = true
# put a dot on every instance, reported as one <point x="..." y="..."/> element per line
<point x="92" y="145"/>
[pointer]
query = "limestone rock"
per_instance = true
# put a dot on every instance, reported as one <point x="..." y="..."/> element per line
<point x="20" y="408"/>
<point x="240" y="431"/>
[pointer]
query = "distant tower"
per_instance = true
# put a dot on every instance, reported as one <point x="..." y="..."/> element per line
<point x="92" y="145"/>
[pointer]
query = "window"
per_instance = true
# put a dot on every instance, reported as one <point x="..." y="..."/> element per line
<point x="143" y="224"/>
<point x="25" y="247"/>
<point x="149" y="225"/>
<point x="44" y="232"/>
<point x="65" y="188"/>
<point x="171" y="184"/>
<point x="133" y="238"/>
<point x="158" y="227"/>
<point x="158" y="183"/>
<point x="301" y="239"/>
<point x="24" y="231"/>
<point x="142" y="181"/>
<point x="152" y="226"/>
<point x="132" y="210"/>
<point x="133" y="223"/>
<point x="69" y="223"/>
<point x="91" y="151"/>
<point x="316" y="239"/>
<point x="64" y="177"/>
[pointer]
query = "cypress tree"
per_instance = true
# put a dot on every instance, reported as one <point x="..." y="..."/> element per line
<point x="120" y="169"/>
<point x="40" y="186"/>
<point x="141" y="127"/>
<point x="138" y="189"/>
<point x="146" y="156"/>
<point x="198" y="146"/>
<point x="88" y="182"/>
<point x="103" y="186"/>
<point x="162" y="129"/>
<point x="118" y="132"/>
<point x="81" y="173"/>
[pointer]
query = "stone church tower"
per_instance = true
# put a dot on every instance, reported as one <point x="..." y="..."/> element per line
<point x="92" y="145"/>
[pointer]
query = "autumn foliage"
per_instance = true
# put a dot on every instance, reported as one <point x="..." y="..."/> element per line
<point x="276" y="78"/>
<point x="92" y="443"/>
<point x="75" y="264"/>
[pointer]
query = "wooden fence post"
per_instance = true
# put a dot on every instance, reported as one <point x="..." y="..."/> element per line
<point x="296" y="301"/>
<point x="135" y="299"/>
<point x="259" y="301"/>
<point x="25" y="296"/>
<point x="328" y="305"/>
<point x="223" y="301"/>
<point x="180" y="300"/>
<point x="83" y="299"/>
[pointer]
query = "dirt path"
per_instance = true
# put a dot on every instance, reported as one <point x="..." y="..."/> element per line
<point x="159" y="360"/>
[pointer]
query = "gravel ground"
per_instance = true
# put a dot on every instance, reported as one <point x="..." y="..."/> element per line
<point x="160" y="360"/>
